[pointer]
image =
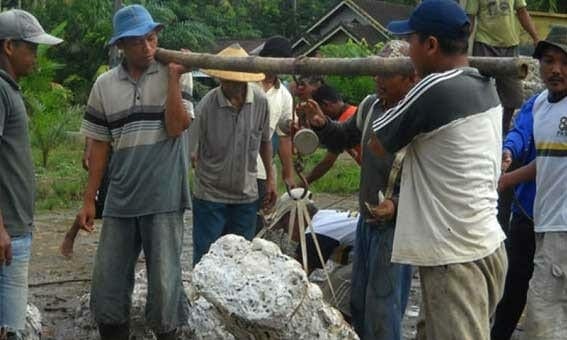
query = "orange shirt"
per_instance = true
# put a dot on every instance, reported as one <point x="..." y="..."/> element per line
<point x="347" y="113"/>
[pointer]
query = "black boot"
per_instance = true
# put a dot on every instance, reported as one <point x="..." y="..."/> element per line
<point x="172" y="335"/>
<point x="114" y="332"/>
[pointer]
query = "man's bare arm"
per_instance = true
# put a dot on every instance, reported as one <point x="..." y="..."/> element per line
<point x="524" y="174"/>
<point x="97" y="166"/>
<point x="285" y="153"/>
<point x="5" y="244"/>
<point x="266" y="155"/>
<point x="527" y="23"/>
<point x="176" y="118"/>
<point x="322" y="167"/>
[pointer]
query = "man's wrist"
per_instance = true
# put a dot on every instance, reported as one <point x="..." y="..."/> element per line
<point x="89" y="198"/>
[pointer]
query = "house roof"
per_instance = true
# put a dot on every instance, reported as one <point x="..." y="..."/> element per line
<point x="383" y="12"/>
<point x="355" y="32"/>
<point x="377" y="13"/>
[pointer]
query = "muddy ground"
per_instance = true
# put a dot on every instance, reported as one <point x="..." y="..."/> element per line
<point x="56" y="283"/>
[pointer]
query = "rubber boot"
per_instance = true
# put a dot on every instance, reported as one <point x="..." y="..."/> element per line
<point x="114" y="332"/>
<point x="172" y="335"/>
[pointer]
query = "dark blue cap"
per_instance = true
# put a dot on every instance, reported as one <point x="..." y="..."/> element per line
<point x="440" y="18"/>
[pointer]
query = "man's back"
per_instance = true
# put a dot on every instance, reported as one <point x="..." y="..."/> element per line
<point x="448" y="192"/>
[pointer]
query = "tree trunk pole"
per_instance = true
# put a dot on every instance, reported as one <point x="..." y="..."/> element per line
<point x="494" y="67"/>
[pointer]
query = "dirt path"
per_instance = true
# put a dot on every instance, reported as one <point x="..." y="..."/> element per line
<point x="57" y="283"/>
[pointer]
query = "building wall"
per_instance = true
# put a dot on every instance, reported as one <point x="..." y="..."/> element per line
<point x="543" y="22"/>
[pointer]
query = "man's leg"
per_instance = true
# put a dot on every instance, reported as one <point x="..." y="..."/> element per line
<point x="14" y="286"/>
<point x="546" y="317"/>
<point x="359" y="276"/>
<point x="68" y="243"/>
<point x="113" y="276"/>
<point x="162" y="240"/>
<point x="209" y="219"/>
<point x="387" y="288"/>
<point x="459" y="299"/>
<point x="241" y="219"/>
<point x="520" y="256"/>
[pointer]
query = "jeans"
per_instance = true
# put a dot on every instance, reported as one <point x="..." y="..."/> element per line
<point x="521" y="249"/>
<point x="14" y="285"/>
<point x="121" y="240"/>
<point x="380" y="288"/>
<point x="211" y="220"/>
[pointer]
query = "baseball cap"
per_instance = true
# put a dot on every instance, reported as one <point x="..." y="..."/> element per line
<point x="440" y="18"/>
<point x="132" y="21"/>
<point x="17" y="24"/>
<point x="557" y="37"/>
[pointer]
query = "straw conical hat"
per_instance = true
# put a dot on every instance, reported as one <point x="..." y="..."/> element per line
<point x="234" y="51"/>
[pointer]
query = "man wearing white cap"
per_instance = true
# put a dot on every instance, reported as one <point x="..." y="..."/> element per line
<point x="232" y="127"/>
<point x="140" y="108"/>
<point x="20" y="33"/>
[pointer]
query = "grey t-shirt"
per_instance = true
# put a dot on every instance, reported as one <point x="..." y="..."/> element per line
<point x="16" y="165"/>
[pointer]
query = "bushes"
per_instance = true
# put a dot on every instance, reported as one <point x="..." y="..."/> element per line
<point x="352" y="89"/>
<point x="49" y="105"/>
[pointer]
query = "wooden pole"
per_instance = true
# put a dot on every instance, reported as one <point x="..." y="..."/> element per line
<point x="494" y="67"/>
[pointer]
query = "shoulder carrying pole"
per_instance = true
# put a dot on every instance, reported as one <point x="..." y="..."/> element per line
<point x="493" y="67"/>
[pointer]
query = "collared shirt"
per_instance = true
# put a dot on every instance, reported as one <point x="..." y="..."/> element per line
<point x="148" y="171"/>
<point x="280" y="102"/>
<point x="228" y="145"/>
<point x="451" y="123"/>
<point x="16" y="165"/>
<point x="550" y="136"/>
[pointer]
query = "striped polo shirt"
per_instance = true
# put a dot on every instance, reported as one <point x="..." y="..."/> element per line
<point x="451" y="123"/>
<point x="148" y="170"/>
<point x="550" y="137"/>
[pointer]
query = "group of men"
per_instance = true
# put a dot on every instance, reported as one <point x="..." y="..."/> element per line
<point x="442" y="121"/>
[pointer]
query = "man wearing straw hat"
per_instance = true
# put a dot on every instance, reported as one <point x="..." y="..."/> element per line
<point x="138" y="108"/>
<point x="232" y="126"/>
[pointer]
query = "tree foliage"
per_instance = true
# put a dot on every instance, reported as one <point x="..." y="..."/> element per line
<point x="353" y="89"/>
<point x="194" y="24"/>
<point x="48" y="104"/>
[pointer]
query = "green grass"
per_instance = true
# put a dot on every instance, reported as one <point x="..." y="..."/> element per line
<point x="343" y="178"/>
<point x="62" y="183"/>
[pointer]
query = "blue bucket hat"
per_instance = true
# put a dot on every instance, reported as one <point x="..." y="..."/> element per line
<point x="132" y="21"/>
<point x="440" y="18"/>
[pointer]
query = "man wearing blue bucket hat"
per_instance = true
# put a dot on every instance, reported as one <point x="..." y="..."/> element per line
<point x="141" y="109"/>
<point x="450" y="124"/>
